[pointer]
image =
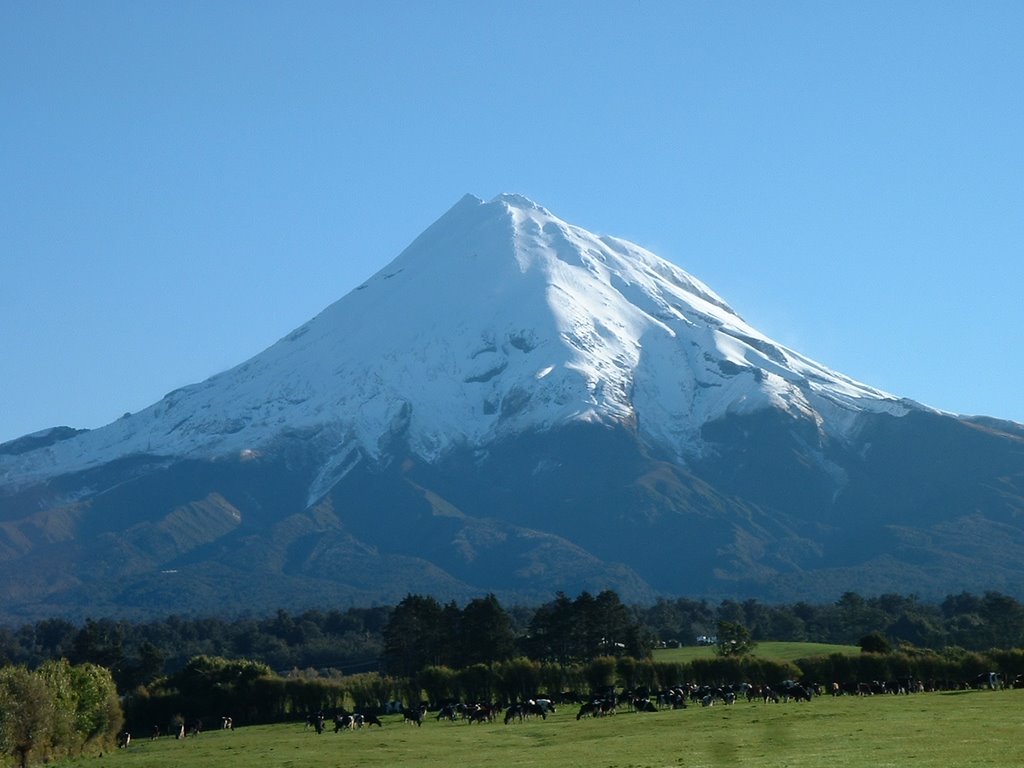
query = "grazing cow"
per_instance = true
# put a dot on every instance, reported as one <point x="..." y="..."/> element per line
<point x="755" y="692"/>
<point x="546" y="704"/>
<point x="531" y="708"/>
<point x="991" y="680"/>
<point x="674" y="697"/>
<point x="369" y="720"/>
<point x="598" y="707"/>
<point x="483" y="713"/>
<point x="414" y="714"/>
<point x="608" y="706"/>
<point x="795" y="691"/>
<point x="451" y="712"/>
<point x="816" y="689"/>
<point x="523" y="710"/>
<point x="644" y="705"/>
<point x="802" y="693"/>
<point x="344" y="723"/>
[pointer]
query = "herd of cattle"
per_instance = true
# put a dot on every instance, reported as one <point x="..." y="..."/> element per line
<point x="609" y="702"/>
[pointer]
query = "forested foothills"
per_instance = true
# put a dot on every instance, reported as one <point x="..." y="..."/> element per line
<point x="181" y="671"/>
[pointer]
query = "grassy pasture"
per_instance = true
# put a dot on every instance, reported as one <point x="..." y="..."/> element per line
<point x="775" y="651"/>
<point x="931" y="730"/>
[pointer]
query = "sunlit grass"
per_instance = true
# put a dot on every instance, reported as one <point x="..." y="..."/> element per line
<point x="932" y="730"/>
<point x="775" y="651"/>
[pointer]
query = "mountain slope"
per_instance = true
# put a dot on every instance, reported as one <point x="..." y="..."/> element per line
<point x="513" y="405"/>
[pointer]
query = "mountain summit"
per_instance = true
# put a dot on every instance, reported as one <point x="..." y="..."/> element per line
<point x="511" y="390"/>
<point x="499" y="319"/>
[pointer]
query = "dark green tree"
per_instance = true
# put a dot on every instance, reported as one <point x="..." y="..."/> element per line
<point x="54" y="638"/>
<point x="550" y="636"/>
<point x="619" y="631"/>
<point x="733" y="639"/>
<point x="874" y="642"/>
<point x="414" y="636"/>
<point x="484" y="633"/>
<point x="100" y="642"/>
<point x="587" y="636"/>
<point x="1004" y="618"/>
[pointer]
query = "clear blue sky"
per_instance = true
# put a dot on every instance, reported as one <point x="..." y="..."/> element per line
<point x="182" y="183"/>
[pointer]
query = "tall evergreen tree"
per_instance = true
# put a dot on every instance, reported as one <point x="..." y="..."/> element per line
<point x="550" y="636"/>
<point x="485" y="633"/>
<point x="414" y="636"/>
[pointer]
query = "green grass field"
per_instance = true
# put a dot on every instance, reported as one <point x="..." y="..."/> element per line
<point x="773" y="651"/>
<point x="930" y="730"/>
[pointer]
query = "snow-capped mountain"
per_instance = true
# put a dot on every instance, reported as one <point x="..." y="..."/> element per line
<point x="511" y="389"/>
<point x="500" y="318"/>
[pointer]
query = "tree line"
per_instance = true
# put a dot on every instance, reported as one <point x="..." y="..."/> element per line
<point x="249" y="692"/>
<point x="421" y="632"/>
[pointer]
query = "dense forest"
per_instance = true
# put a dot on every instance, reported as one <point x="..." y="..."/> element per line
<point x="399" y="640"/>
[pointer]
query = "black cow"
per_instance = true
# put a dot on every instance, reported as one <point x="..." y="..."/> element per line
<point x="414" y="714"/>
<point x="599" y="707"/>
<point x="990" y="680"/>
<point x="793" y="690"/>
<point x="483" y="713"/>
<point x="644" y="705"/>
<point x="546" y="704"/>
<point x="674" y="697"/>
<point x="369" y="720"/>
<point x="451" y="712"/>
